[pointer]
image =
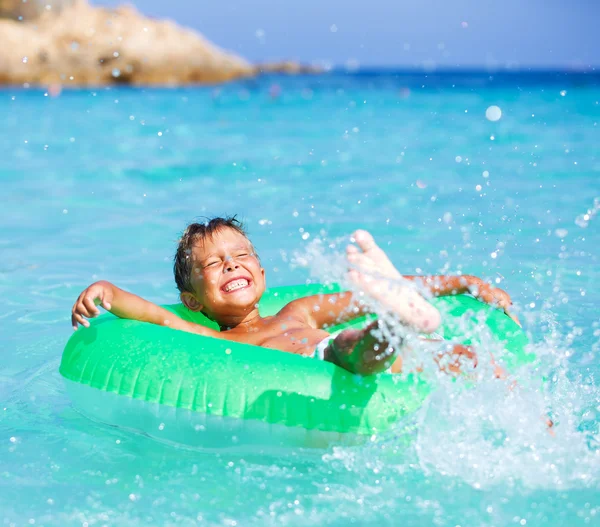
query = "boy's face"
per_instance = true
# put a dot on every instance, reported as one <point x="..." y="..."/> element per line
<point x="226" y="275"/>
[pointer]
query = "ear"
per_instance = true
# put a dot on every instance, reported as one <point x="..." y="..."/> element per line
<point x="262" y="272"/>
<point x="190" y="301"/>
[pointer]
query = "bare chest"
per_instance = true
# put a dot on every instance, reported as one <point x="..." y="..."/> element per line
<point x="285" y="334"/>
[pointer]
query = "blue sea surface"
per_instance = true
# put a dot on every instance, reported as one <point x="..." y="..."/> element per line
<point x="99" y="184"/>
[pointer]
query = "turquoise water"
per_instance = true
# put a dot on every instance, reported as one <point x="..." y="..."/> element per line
<point x="100" y="184"/>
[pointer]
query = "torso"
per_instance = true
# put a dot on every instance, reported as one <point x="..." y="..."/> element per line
<point x="285" y="332"/>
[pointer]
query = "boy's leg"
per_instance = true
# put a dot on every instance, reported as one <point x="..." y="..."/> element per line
<point x="375" y="274"/>
<point x="360" y="352"/>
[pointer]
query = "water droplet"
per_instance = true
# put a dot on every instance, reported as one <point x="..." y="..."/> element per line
<point x="493" y="113"/>
<point x="116" y="72"/>
<point x="561" y="233"/>
<point x="458" y="159"/>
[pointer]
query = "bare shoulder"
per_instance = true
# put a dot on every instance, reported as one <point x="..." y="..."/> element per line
<point x="319" y="311"/>
<point x="299" y="309"/>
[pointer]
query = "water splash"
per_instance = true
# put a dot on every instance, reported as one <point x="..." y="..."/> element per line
<point x="583" y="220"/>
<point x="478" y="429"/>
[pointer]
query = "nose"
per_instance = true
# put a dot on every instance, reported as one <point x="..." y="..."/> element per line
<point x="230" y="265"/>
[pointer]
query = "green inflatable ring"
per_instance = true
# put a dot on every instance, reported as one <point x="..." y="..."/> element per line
<point x="214" y="393"/>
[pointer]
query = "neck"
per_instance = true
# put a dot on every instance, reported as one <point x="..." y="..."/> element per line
<point x="247" y="321"/>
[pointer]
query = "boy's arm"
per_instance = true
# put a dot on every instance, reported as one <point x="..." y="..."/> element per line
<point x="443" y="285"/>
<point x="130" y="306"/>
<point x="322" y="311"/>
<point x="457" y="285"/>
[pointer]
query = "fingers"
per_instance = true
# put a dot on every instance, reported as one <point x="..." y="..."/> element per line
<point x="499" y="372"/>
<point x="549" y="425"/>
<point x="514" y="317"/>
<point x="465" y="351"/>
<point x="80" y="309"/>
<point x="450" y="361"/>
<point x="89" y="304"/>
<point x="76" y="318"/>
<point x="504" y="301"/>
<point x="86" y="306"/>
<point x="494" y="296"/>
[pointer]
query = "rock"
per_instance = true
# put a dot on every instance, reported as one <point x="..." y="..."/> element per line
<point x="89" y="46"/>
<point x="31" y="9"/>
<point x="287" y="67"/>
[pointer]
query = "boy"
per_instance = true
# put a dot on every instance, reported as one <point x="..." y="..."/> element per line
<point x="218" y="273"/>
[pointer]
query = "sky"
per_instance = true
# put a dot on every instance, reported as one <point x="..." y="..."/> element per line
<point x="396" y="33"/>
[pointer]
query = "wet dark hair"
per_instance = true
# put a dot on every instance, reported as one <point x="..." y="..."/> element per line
<point x="194" y="233"/>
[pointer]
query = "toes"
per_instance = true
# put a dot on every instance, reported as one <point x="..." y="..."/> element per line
<point x="351" y="249"/>
<point x="364" y="240"/>
<point x="361" y="260"/>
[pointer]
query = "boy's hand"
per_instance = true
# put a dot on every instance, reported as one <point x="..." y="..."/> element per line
<point x="454" y="358"/>
<point x="98" y="293"/>
<point x="492" y="295"/>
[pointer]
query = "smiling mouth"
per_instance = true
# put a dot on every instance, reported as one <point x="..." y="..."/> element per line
<point x="236" y="285"/>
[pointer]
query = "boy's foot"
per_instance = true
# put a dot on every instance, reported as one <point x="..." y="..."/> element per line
<point x="371" y="257"/>
<point x="375" y="274"/>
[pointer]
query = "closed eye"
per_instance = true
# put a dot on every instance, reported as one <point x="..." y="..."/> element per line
<point x="211" y="264"/>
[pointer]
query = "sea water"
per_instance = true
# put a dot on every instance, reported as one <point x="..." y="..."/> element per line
<point x="98" y="184"/>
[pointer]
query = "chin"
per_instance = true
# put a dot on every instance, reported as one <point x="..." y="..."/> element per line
<point x="242" y="300"/>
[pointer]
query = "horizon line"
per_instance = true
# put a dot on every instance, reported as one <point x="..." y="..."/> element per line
<point x="389" y="69"/>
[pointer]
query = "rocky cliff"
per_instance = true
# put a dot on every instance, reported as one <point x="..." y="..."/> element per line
<point x="73" y="43"/>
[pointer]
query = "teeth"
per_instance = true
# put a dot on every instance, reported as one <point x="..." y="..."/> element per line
<point x="236" y="284"/>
